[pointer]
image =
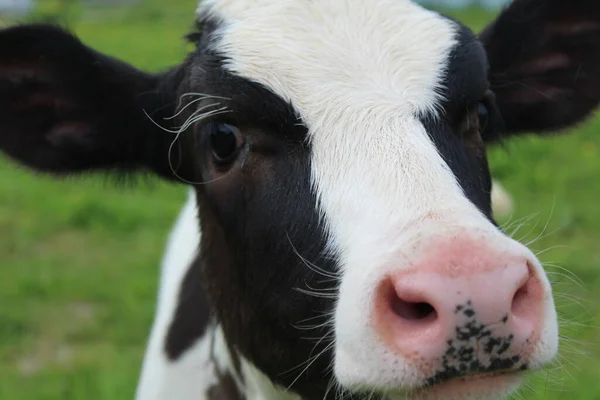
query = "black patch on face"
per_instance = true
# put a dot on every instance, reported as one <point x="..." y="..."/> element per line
<point x="250" y="271"/>
<point x="461" y="357"/>
<point x="191" y="318"/>
<point x="251" y="276"/>
<point x="465" y="83"/>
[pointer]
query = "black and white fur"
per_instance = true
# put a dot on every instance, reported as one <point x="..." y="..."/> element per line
<point x="358" y="137"/>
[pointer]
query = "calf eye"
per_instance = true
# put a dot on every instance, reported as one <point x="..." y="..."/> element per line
<point x="475" y="121"/>
<point x="483" y="115"/>
<point x="225" y="142"/>
<point x="469" y="126"/>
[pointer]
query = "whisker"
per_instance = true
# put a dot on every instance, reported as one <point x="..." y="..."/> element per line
<point x="530" y="231"/>
<point x="313" y="327"/>
<point x="192" y="103"/>
<point x="546" y="225"/>
<point x="520" y="222"/>
<point x="208" y="96"/>
<point x="310" y="265"/>
<point x="201" y="96"/>
<point x="309" y="358"/>
<point x="330" y="385"/>
<point x="195" y="118"/>
<point x="567" y="274"/>
<point x="542" y="236"/>
<point x="323" y="290"/>
<point x="322" y="315"/>
<point x="317" y="294"/>
<point x="314" y="359"/>
<point x="553" y="248"/>
<point x="159" y="125"/>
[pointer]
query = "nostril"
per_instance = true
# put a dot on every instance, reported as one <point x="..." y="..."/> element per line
<point x="412" y="311"/>
<point x="530" y="298"/>
<point x="522" y="298"/>
<point x="409" y="307"/>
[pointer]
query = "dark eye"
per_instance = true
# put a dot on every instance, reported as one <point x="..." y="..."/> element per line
<point x="225" y="142"/>
<point x="483" y="116"/>
<point x="474" y="121"/>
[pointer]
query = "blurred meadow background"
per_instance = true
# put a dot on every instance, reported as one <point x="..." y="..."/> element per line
<point x="79" y="258"/>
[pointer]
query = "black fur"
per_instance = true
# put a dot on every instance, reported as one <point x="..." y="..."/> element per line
<point x="465" y="83"/>
<point x="535" y="90"/>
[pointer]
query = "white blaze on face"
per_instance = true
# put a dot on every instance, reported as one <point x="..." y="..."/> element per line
<point x="360" y="74"/>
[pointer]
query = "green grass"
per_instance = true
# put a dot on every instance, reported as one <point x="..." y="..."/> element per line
<point x="79" y="258"/>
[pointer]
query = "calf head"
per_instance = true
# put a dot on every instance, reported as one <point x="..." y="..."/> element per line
<point x="338" y="153"/>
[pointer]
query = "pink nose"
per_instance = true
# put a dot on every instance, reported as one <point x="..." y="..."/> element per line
<point x="467" y="314"/>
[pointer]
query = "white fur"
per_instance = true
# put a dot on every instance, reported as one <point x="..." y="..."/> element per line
<point x="361" y="73"/>
<point x="162" y="379"/>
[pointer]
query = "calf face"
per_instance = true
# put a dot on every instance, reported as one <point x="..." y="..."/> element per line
<point x="337" y="151"/>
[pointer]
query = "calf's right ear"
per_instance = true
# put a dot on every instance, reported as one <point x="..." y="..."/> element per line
<point x="65" y="108"/>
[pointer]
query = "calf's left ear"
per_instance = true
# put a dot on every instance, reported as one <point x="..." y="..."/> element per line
<point x="544" y="58"/>
<point x="65" y="108"/>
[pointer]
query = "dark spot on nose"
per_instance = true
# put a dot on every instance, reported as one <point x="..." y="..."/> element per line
<point x="412" y="311"/>
<point x="505" y="344"/>
<point x="472" y="340"/>
<point x="491" y="344"/>
<point x="466" y="354"/>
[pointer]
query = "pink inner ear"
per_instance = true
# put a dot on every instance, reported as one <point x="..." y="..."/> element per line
<point x="545" y="63"/>
<point x="44" y="99"/>
<point x="534" y="93"/>
<point x="68" y="133"/>
<point x="572" y="27"/>
<point x="16" y="72"/>
<point x="48" y="99"/>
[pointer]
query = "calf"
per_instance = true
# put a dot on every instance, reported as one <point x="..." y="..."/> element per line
<point x="338" y="238"/>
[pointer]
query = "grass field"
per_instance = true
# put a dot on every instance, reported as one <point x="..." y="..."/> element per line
<point x="79" y="258"/>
